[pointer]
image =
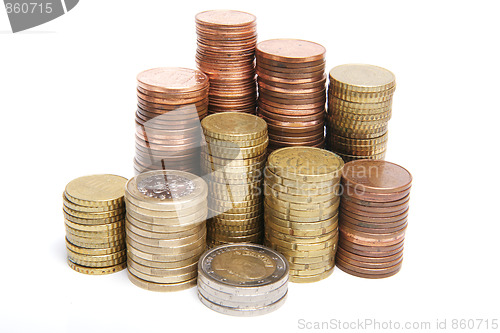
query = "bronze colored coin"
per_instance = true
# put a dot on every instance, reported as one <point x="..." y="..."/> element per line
<point x="294" y="131"/>
<point x="299" y="139"/>
<point x="317" y="85"/>
<point x="377" y="176"/>
<point x="225" y="19"/>
<point x="371" y="239"/>
<point x="291" y="111"/>
<point x="172" y="118"/>
<point x="374" y="212"/>
<point x="320" y="116"/>
<point x="288" y="65"/>
<point x="200" y="94"/>
<point x="371" y="225"/>
<point x="367" y="259"/>
<point x="279" y="144"/>
<point x="275" y="76"/>
<point x="307" y="108"/>
<point x="373" y="230"/>
<point x="377" y="219"/>
<point x="172" y="80"/>
<point x="373" y="272"/>
<point x="372" y="251"/>
<point x="360" y="192"/>
<point x="362" y="97"/>
<point x="300" y="124"/>
<point x="285" y="70"/>
<point x="362" y="78"/>
<point x="370" y="204"/>
<point x="167" y="111"/>
<point x="365" y="275"/>
<point x="290" y="50"/>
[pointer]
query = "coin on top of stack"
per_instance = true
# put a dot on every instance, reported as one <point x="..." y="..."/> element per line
<point x="171" y="102"/>
<point x="94" y="215"/>
<point x="166" y="231"/>
<point x="233" y="162"/>
<point x="242" y="279"/>
<point x="301" y="203"/>
<point x="373" y="218"/>
<point x="226" y="50"/>
<point x="292" y="95"/>
<point x="359" y="109"/>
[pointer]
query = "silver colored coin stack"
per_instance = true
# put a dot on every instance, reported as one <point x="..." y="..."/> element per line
<point x="242" y="279"/>
<point x="166" y="229"/>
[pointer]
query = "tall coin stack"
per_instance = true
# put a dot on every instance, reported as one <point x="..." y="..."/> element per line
<point x="94" y="215"/>
<point x="301" y="209"/>
<point x="292" y="96"/>
<point x="166" y="231"/>
<point x="226" y="51"/>
<point x="233" y="162"/>
<point x="242" y="279"/>
<point x="171" y="102"/>
<point x="373" y="218"/>
<point x="359" y="108"/>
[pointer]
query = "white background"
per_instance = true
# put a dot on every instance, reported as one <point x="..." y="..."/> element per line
<point x="67" y="99"/>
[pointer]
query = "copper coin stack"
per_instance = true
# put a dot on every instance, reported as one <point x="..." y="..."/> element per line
<point x="292" y="96"/>
<point x="171" y="102"/>
<point x="301" y="209"/>
<point x="359" y="108"/>
<point x="166" y="229"/>
<point x="233" y="163"/>
<point x="226" y="51"/>
<point x="373" y="218"/>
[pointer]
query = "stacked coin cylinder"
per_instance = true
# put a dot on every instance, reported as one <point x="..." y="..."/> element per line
<point x="242" y="279"/>
<point x="94" y="214"/>
<point x="301" y="209"/>
<point x="226" y="51"/>
<point x="171" y="102"/>
<point x="359" y="109"/>
<point x="233" y="163"/>
<point x="166" y="231"/>
<point x="373" y="218"/>
<point x="292" y="95"/>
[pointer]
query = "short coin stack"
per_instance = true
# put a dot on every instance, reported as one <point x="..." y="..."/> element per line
<point x="242" y="279"/>
<point x="373" y="218"/>
<point x="226" y="51"/>
<point x="171" y="102"/>
<point x="94" y="214"/>
<point x="359" y="108"/>
<point x="233" y="163"/>
<point x="301" y="209"/>
<point x="292" y="96"/>
<point x="166" y="232"/>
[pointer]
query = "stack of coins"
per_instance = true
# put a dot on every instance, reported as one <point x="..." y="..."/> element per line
<point x="373" y="218"/>
<point x="292" y="94"/>
<point x="94" y="214"/>
<point x="233" y="163"/>
<point x="242" y="279"/>
<point x="171" y="102"/>
<point x="359" y="108"/>
<point x="301" y="209"/>
<point x="226" y="51"/>
<point x="166" y="232"/>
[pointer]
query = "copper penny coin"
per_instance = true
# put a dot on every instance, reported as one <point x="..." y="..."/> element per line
<point x="377" y="176"/>
<point x="365" y="275"/>
<point x="371" y="239"/>
<point x="372" y="250"/>
<point x="360" y="193"/>
<point x="377" y="219"/>
<point x="364" y="264"/>
<point x="290" y="50"/>
<point x="372" y="225"/>
<point x="368" y="259"/>
<point x="291" y="118"/>
<point x="290" y="111"/>
<point x="372" y="211"/>
<point x="286" y="64"/>
<point x="370" y="204"/>
<point x="281" y="69"/>
<point x="371" y="229"/>
<point x="299" y="107"/>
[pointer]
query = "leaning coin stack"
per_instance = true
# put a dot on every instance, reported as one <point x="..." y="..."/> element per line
<point x="226" y="51"/>
<point x="292" y="96"/>
<point x="171" y="102"/>
<point x="94" y="214"/>
<point x="301" y="209"/>
<point x="373" y="218"/>
<point x="359" y="108"/>
<point x="242" y="279"/>
<point x="233" y="161"/>
<point x="166" y="232"/>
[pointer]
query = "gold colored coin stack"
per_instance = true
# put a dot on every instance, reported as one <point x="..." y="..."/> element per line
<point x="301" y="209"/>
<point x="94" y="214"/>
<point x="226" y="51"/>
<point x="166" y="231"/>
<point x="233" y="163"/>
<point x="359" y="108"/>
<point x="292" y="92"/>
<point x="171" y="102"/>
